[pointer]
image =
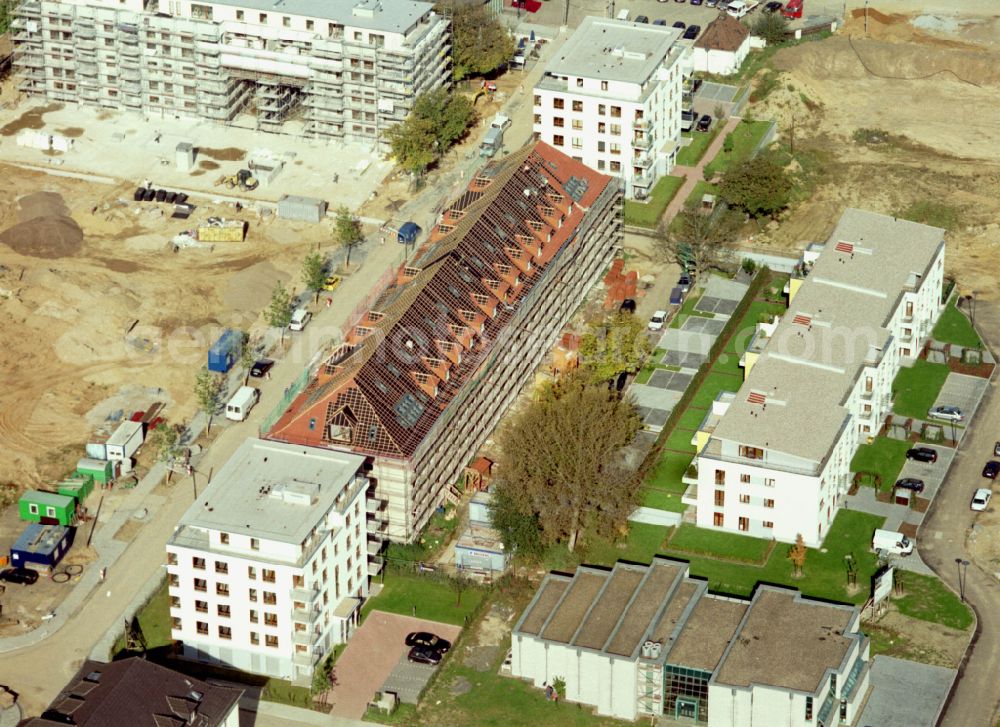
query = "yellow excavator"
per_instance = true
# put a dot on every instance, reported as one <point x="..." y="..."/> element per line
<point x="243" y="179"/>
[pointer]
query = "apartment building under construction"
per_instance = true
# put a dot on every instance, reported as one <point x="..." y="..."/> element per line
<point x="342" y="70"/>
<point x="432" y="363"/>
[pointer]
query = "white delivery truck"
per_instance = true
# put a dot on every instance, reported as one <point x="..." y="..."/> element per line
<point x="494" y="137"/>
<point x="892" y="542"/>
<point x="126" y="439"/>
<point x="241" y="403"/>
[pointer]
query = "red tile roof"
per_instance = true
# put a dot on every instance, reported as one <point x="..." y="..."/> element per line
<point x="724" y="33"/>
<point x="430" y="330"/>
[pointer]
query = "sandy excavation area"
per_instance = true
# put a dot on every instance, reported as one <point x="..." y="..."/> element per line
<point x="99" y="314"/>
<point x="922" y="133"/>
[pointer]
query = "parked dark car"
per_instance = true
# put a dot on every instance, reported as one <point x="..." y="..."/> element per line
<point x="24" y="576"/>
<point x="773" y="7"/>
<point x="659" y="22"/>
<point x="696" y="84"/>
<point x="684" y="282"/>
<point x="910" y="483"/>
<point x="424" y="655"/>
<point x="680" y="25"/>
<point x="627" y="306"/>
<point x="692" y="32"/>
<point x="704" y="123"/>
<point x="992" y="469"/>
<point x="428" y="640"/>
<point x="261" y="367"/>
<point x="922" y="454"/>
<point x="641" y="19"/>
<point x="696" y="2"/>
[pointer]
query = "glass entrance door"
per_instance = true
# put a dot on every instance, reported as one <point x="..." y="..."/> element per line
<point x="686" y="708"/>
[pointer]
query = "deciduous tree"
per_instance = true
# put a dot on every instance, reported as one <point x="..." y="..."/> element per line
<point x="209" y="389"/>
<point x="347" y="231"/>
<point x="561" y="459"/>
<point x="480" y="43"/>
<point x="797" y="554"/>
<point x="698" y="240"/>
<point x="772" y="27"/>
<point x="164" y="440"/>
<point x="437" y="121"/>
<point x="760" y="186"/>
<point x="279" y="310"/>
<point x="517" y="524"/>
<point x="618" y="344"/>
<point x="314" y="271"/>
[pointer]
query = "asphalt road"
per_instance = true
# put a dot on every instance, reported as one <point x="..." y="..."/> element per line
<point x="975" y="700"/>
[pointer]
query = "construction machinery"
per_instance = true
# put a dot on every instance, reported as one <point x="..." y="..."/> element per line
<point x="243" y="179"/>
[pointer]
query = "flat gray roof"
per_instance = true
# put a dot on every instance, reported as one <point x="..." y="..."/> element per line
<point x="707" y="633"/>
<point x="273" y="491"/>
<point x="787" y="641"/>
<point x="613" y="50"/>
<point x="391" y="16"/>
<point x="834" y="325"/>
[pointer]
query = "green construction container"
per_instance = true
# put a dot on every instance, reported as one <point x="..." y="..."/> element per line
<point x="103" y="471"/>
<point x="76" y="487"/>
<point x="47" y="508"/>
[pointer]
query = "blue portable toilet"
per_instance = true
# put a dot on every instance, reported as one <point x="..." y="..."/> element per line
<point x="408" y="233"/>
<point x="222" y="355"/>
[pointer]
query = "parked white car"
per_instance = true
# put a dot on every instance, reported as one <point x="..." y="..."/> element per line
<point x="299" y="319"/>
<point x="657" y="321"/>
<point x="946" y="413"/>
<point x="981" y="500"/>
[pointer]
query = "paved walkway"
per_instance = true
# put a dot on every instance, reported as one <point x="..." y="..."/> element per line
<point x="696" y="173"/>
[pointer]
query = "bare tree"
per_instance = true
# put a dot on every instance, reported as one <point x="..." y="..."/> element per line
<point x="698" y="240"/>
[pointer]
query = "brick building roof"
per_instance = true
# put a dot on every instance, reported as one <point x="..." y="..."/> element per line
<point x="137" y="693"/>
<point x="724" y="33"/>
<point x="431" y="329"/>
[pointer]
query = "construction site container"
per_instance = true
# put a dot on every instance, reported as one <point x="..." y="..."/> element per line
<point x="241" y="403"/>
<point x="224" y="231"/>
<point x="409" y="232"/>
<point x="103" y="471"/>
<point x="125" y="441"/>
<point x="96" y="450"/>
<point x="184" y="156"/>
<point x="47" y="508"/>
<point x="41" y="546"/>
<point x="76" y="487"/>
<point x="222" y="355"/>
<point x="301" y="209"/>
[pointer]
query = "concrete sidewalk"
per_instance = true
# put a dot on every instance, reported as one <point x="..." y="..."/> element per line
<point x="695" y="174"/>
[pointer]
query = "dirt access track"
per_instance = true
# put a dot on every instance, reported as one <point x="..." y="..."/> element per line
<point x="902" y="121"/>
<point x="99" y="314"/>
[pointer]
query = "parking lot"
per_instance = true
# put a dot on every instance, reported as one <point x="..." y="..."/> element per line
<point x="698" y="324"/>
<point x="408" y="680"/>
<point x="962" y="391"/>
<point x="672" y="380"/>
<point x="905" y="693"/>
<point x="932" y="473"/>
<point x="374" y="654"/>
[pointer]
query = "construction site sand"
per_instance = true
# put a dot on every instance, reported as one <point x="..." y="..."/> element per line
<point x="119" y="321"/>
<point x="45" y="229"/>
<point x="935" y="96"/>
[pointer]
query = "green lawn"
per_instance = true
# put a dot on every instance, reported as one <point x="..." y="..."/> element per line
<point x="687" y="309"/>
<point x="667" y="473"/>
<point x="712" y="385"/>
<point x="700" y="190"/>
<point x="745" y="138"/>
<point x="432" y="597"/>
<point x="691" y="154"/>
<point x="916" y="388"/>
<point x="824" y="574"/>
<point x="954" y="327"/>
<point x="154" y="620"/>
<point x="928" y="599"/>
<point x="659" y="499"/>
<point x="884" y="457"/>
<point x="681" y="439"/>
<point x="719" y="544"/>
<point x="648" y="213"/>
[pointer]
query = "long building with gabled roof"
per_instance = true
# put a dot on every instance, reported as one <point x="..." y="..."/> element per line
<point x="422" y="378"/>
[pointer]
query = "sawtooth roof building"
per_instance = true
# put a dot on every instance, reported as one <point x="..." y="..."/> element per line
<point x="651" y="641"/>
<point x="425" y="374"/>
<point x="778" y="461"/>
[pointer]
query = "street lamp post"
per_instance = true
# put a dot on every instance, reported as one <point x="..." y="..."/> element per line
<point x="963" y="566"/>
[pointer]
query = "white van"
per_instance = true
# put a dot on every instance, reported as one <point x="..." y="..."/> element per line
<point x="622" y="14"/>
<point x="300" y="317"/>
<point x="892" y="541"/>
<point x="241" y="403"/>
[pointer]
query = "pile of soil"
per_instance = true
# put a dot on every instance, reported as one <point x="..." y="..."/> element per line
<point x="45" y="228"/>
<point x="249" y="290"/>
<point x="229" y="154"/>
<point x="30" y="119"/>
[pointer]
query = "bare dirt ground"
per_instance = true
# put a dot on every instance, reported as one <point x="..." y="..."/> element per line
<point x="100" y="315"/>
<point x="933" y="104"/>
<point x="916" y="640"/>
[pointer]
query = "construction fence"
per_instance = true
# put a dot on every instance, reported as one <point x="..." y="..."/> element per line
<point x="290" y="393"/>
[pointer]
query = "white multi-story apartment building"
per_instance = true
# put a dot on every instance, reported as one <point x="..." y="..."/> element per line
<point x="777" y="464"/>
<point x="268" y="567"/>
<point x="611" y="98"/>
<point x="348" y="70"/>
<point x="650" y="641"/>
